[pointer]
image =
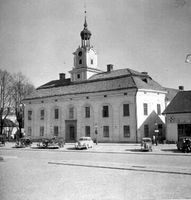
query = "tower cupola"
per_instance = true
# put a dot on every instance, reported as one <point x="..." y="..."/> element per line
<point x="85" y="35"/>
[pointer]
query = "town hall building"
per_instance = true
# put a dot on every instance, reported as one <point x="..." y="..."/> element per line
<point x="120" y="105"/>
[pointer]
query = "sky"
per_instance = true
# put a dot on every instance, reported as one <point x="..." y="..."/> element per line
<point x="38" y="37"/>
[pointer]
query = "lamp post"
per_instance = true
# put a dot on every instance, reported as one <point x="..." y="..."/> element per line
<point x="96" y="132"/>
<point x="188" y="58"/>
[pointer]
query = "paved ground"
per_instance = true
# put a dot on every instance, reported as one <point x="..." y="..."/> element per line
<point x="106" y="172"/>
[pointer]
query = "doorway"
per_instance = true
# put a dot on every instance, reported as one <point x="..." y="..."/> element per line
<point x="71" y="130"/>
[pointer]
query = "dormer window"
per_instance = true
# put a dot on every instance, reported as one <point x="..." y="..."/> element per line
<point x="145" y="80"/>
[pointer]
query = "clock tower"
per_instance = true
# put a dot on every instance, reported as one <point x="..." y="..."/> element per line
<point x="85" y="57"/>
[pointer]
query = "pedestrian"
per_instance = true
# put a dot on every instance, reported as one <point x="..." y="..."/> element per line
<point x="156" y="141"/>
<point x="153" y="139"/>
<point x="96" y="136"/>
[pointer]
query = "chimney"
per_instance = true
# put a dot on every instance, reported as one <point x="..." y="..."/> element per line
<point x="62" y="76"/>
<point x="109" y="67"/>
<point x="181" y="88"/>
<point x="144" y="73"/>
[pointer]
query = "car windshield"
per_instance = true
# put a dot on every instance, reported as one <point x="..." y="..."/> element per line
<point x="147" y="140"/>
<point x="83" y="139"/>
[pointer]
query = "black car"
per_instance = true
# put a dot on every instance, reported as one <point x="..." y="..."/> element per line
<point x="184" y="144"/>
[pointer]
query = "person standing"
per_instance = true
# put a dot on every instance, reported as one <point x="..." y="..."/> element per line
<point x="96" y="136"/>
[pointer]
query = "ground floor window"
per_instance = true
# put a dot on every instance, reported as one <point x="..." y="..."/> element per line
<point x="55" y="130"/>
<point x="146" y="130"/>
<point x="105" y="131"/>
<point x="126" y="131"/>
<point x="42" y="131"/>
<point x="29" y="131"/>
<point x="87" y="131"/>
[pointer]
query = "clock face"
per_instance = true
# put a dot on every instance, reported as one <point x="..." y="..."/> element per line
<point x="80" y="53"/>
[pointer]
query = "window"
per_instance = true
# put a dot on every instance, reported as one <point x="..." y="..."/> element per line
<point x="126" y="131"/>
<point x="158" y="109"/>
<point x="71" y="113"/>
<point x="56" y="113"/>
<point x="105" y="111"/>
<point x="146" y="130"/>
<point x="87" y="133"/>
<point x="87" y="112"/>
<point x="42" y="114"/>
<point x="92" y="61"/>
<point x="125" y="110"/>
<point x="55" y="130"/>
<point x="42" y="131"/>
<point x="29" y="131"/>
<point x="78" y="76"/>
<point x="105" y="131"/>
<point x="145" y="108"/>
<point x="29" y="114"/>
<point x="80" y="61"/>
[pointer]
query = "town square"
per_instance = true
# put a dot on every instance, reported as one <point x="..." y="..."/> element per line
<point x="95" y="99"/>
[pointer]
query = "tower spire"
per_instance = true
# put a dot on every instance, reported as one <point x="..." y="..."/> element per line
<point x="85" y="22"/>
<point x="85" y="33"/>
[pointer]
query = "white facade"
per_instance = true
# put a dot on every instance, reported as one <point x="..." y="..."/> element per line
<point x="153" y="117"/>
<point x="115" y="121"/>
<point x="173" y="122"/>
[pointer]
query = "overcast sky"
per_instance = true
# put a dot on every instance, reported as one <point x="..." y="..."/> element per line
<point x="38" y="37"/>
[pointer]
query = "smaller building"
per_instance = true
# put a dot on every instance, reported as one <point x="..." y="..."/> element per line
<point x="178" y="116"/>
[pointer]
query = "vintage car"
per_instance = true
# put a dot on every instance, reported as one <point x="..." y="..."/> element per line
<point x="52" y="143"/>
<point x="146" y="144"/>
<point x="23" y="142"/>
<point x="2" y="140"/>
<point x="84" y="143"/>
<point x="184" y="144"/>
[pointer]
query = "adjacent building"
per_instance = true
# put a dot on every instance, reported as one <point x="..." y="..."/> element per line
<point x="121" y="105"/>
<point x="178" y="115"/>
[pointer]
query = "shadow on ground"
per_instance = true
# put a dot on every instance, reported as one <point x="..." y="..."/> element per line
<point x="73" y="148"/>
<point x="172" y="150"/>
<point x="134" y="150"/>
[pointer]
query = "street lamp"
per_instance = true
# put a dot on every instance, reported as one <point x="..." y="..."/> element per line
<point x="188" y="58"/>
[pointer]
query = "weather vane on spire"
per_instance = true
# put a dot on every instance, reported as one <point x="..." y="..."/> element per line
<point x="85" y="23"/>
<point x="85" y="7"/>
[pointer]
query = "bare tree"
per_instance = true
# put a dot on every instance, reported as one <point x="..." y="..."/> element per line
<point x="20" y="89"/>
<point x="5" y="96"/>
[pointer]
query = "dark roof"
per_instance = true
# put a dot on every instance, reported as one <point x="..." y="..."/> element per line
<point x="9" y="123"/>
<point x="180" y="104"/>
<point x="171" y="93"/>
<point x="55" y="83"/>
<point x="106" y="81"/>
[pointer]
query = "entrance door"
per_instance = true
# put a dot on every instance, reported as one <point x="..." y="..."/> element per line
<point x="71" y="130"/>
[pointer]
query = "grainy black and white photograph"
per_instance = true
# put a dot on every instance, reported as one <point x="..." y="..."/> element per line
<point x="95" y="99"/>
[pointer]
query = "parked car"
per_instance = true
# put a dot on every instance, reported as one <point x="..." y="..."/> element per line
<point x="146" y="144"/>
<point x="23" y="142"/>
<point x="26" y="141"/>
<point x="52" y="143"/>
<point x="184" y="144"/>
<point x="84" y="143"/>
<point x="2" y="140"/>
